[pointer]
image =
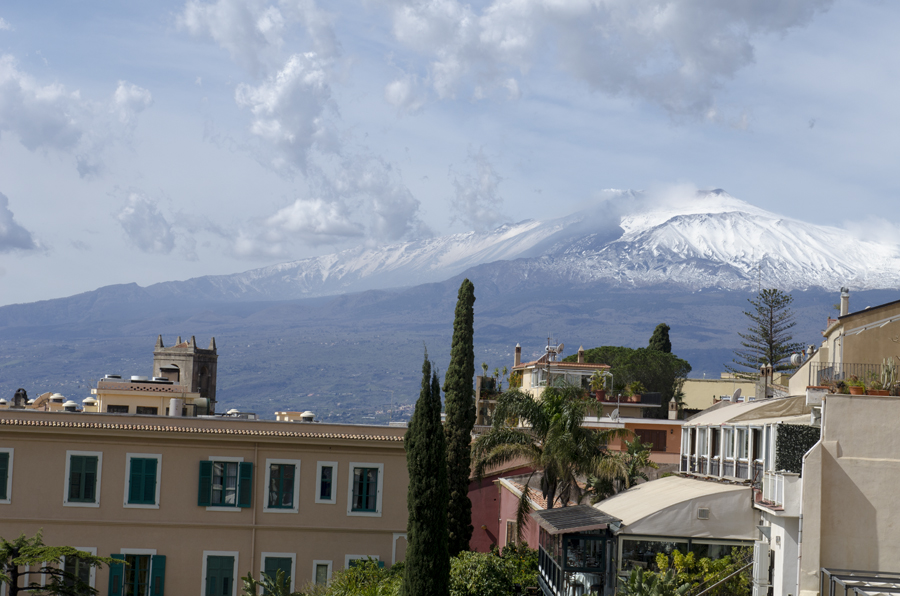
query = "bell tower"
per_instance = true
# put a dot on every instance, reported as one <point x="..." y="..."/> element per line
<point x="189" y="366"/>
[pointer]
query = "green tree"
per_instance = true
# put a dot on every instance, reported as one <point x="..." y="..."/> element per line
<point x="704" y="573"/>
<point x="551" y="437"/>
<point x="427" y="569"/>
<point x="280" y="585"/>
<point x="364" y="578"/>
<point x="659" y="341"/>
<point x="494" y="574"/>
<point x="621" y="470"/>
<point x="648" y="583"/>
<point x="460" y="409"/>
<point x="659" y="372"/>
<point x="18" y="555"/>
<point x="768" y="340"/>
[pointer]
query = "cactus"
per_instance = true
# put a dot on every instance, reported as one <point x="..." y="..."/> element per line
<point x="888" y="373"/>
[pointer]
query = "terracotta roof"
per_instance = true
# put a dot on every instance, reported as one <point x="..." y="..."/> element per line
<point x="534" y="495"/>
<point x="197" y="430"/>
<point x="589" y="365"/>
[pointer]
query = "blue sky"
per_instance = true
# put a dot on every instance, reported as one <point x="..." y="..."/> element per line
<point x="150" y="141"/>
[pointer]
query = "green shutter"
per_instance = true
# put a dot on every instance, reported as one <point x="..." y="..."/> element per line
<point x="204" y="492"/>
<point x="157" y="573"/>
<point x="4" y="475"/>
<point x="149" y="481"/>
<point x="116" y="576"/>
<point x="135" y="478"/>
<point x="76" y="466"/>
<point x="245" y="484"/>
<point x="219" y="575"/>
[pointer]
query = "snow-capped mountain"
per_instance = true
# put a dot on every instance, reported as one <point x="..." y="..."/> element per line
<point x="711" y="240"/>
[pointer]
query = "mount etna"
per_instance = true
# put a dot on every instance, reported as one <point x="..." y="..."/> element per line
<point x="343" y="334"/>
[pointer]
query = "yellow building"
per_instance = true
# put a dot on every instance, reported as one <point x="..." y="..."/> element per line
<point x="195" y="503"/>
<point x="700" y="394"/>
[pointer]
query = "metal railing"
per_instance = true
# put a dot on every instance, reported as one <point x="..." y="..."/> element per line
<point x="834" y="582"/>
<point x="773" y="488"/>
<point x="741" y="469"/>
<point x="756" y="473"/>
<point x="821" y="373"/>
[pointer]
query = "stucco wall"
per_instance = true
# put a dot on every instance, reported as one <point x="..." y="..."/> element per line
<point x="851" y="515"/>
<point x="485" y="497"/>
<point x="508" y="505"/>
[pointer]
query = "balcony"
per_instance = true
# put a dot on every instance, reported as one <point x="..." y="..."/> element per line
<point x="820" y="373"/>
<point x="781" y="492"/>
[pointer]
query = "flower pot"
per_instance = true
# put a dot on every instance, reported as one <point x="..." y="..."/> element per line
<point x="601" y="394"/>
<point x="857" y="390"/>
<point x="634" y="399"/>
<point x="878" y="392"/>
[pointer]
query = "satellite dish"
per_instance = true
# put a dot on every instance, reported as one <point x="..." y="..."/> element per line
<point x="559" y="348"/>
<point x="614" y="415"/>
<point x="736" y="395"/>
<point x="795" y="359"/>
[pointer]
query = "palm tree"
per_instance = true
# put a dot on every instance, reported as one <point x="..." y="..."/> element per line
<point x="547" y="432"/>
<point x="620" y="471"/>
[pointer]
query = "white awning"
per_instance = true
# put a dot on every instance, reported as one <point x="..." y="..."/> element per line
<point x="672" y="507"/>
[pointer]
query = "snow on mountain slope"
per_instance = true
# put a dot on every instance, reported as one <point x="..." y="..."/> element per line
<point x="705" y="240"/>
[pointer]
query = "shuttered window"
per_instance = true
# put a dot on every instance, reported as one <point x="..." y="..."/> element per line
<point x="142" y="480"/>
<point x="219" y="575"/>
<point x="83" y="479"/>
<point x="225" y="484"/>
<point x="4" y="476"/>
<point x="656" y="438"/>
<point x="365" y="489"/>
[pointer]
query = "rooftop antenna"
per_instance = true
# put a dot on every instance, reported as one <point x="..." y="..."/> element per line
<point x="552" y="350"/>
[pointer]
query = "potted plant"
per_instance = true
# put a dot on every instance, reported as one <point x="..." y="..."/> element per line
<point x="634" y="391"/>
<point x="598" y="385"/>
<point x="856" y="385"/>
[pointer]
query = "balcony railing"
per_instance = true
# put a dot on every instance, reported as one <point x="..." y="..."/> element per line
<point x="714" y="467"/>
<point x="821" y="373"/>
<point x="782" y="490"/>
<point x="757" y="473"/>
<point x="728" y="468"/>
<point x="740" y="469"/>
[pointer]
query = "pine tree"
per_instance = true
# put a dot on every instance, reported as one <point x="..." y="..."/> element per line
<point x="427" y="571"/>
<point x="659" y="341"/>
<point x="460" y="409"/>
<point x="768" y="340"/>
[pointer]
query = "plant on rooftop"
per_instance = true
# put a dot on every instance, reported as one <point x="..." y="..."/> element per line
<point x="551" y="437"/>
<point x="768" y="340"/>
<point x="427" y="569"/>
<point x="460" y="408"/>
<point x="17" y="556"/>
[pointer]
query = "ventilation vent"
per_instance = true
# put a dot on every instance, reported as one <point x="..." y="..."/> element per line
<point x="703" y="513"/>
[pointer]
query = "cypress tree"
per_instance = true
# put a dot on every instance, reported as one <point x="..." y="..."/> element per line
<point x="427" y="571"/>
<point x="659" y="341"/>
<point x="460" y="408"/>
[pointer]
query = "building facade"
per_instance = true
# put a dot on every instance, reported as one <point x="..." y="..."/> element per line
<point x="193" y="504"/>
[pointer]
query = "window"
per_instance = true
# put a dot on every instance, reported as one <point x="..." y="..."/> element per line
<point x="742" y="443"/>
<point x="656" y="438"/>
<point x="512" y="533"/>
<point x="352" y="560"/>
<point x="272" y="563"/>
<point x="326" y="489"/>
<point x="226" y="483"/>
<point x="6" y="468"/>
<point x="83" y="479"/>
<point x="141" y="573"/>
<point x="116" y="409"/>
<point x="76" y="567"/>
<point x="728" y="442"/>
<point x="701" y="442"/>
<point x="142" y="488"/>
<point x="364" y="493"/>
<point x="147" y="410"/>
<point x="219" y="573"/>
<point x="282" y="485"/>
<point x="321" y="572"/>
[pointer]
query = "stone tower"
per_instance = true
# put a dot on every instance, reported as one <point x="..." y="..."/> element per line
<point x="189" y="366"/>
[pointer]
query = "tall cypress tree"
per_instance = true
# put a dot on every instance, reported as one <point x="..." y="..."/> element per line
<point x="659" y="341"/>
<point x="460" y="408"/>
<point x="427" y="571"/>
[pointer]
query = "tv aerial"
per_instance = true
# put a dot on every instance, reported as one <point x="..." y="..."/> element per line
<point x="552" y="350"/>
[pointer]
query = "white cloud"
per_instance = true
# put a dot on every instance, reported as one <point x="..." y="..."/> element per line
<point x="12" y="235"/>
<point x="672" y="53"/>
<point x="51" y="117"/>
<point x="130" y="100"/>
<point x="289" y="111"/>
<point x="405" y="94"/>
<point x="144" y="226"/>
<point x="4" y="25"/>
<point x="476" y="202"/>
<point x="254" y="31"/>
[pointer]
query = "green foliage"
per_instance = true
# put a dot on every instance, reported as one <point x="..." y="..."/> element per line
<point x="490" y="574"/>
<point x="427" y="555"/>
<point x="768" y="340"/>
<point x="365" y="578"/>
<point x="280" y="585"/>
<point x="460" y="409"/>
<point x="648" y="583"/>
<point x="551" y="437"/>
<point x="794" y="440"/>
<point x="659" y="341"/>
<point x="703" y="573"/>
<point x="659" y="372"/>
<point x="621" y="470"/>
<point x="18" y="555"/>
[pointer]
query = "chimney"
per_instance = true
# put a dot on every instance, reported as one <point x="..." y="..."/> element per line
<point x="212" y="344"/>
<point x="193" y="343"/>
<point x="159" y="343"/>
<point x="518" y="358"/>
<point x="845" y="301"/>
<point x="673" y="409"/>
<point x="581" y="355"/>
<point x="178" y="341"/>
